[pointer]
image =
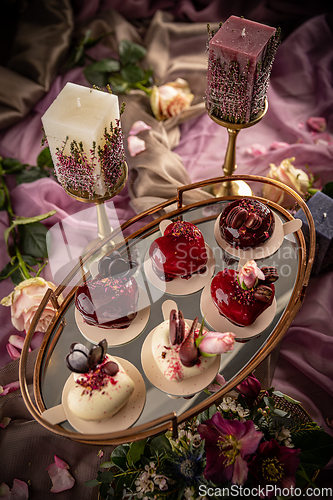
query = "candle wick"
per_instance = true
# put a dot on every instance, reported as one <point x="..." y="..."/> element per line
<point x="243" y="32"/>
<point x="78" y="102"/>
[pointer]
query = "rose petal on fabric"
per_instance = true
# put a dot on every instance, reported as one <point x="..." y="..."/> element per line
<point x="8" y="388"/>
<point x="19" y="491"/>
<point x="323" y="139"/>
<point x="60" y="476"/>
<point x="278" y="145"/>
<point x="317" y="123"/>
<point x="5" y="421"/>
<point x="135" y="145"/>
<point x="13" y="352"/>
<point x="139" y="126"/>
<point x="17" y="341"/>
<point x="256" y="150"/>
<point x="100" y="453"/>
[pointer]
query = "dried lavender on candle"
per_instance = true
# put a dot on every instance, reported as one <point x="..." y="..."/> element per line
<point x="241" y="55"/>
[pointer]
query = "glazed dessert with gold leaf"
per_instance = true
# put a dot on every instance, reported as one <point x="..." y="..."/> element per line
<point x="102" y="387"/>
<point x="241" y="296"/>
<point x="246" y="223"/>
<point x="182" y="352"/>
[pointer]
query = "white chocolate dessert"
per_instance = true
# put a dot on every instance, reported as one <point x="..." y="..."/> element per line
<point x="167" y="355"/>
<point x="101" y="392"/>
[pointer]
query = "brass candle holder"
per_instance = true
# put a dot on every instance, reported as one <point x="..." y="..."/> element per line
<point x="229" y="166"/>
<point x="103" y="223"/>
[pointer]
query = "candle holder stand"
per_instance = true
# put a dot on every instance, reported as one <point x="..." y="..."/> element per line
<point x="103" y="224"/>
<point x="229" y="166"/>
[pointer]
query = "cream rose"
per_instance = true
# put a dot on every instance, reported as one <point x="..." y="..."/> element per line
<point x="170" y="99"/>
<point x="24" y="302"/>
<point x="293" y="177"/>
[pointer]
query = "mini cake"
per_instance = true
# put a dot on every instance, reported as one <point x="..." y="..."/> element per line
<point x="101" y="391"/>
<point x="242" y="296"/>
<point x="246" y="223"/>
<point x="176" y="348"/>
<point x="110" y="300"/>
<point x="180" y="252"/>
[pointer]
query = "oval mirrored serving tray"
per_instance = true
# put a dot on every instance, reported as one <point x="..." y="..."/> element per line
<point x="162" y="411"/>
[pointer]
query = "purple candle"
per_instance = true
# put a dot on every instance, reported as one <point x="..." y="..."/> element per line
<point x="241" y="55"/>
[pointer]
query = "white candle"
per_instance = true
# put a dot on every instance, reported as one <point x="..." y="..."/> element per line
<point x="82" y="114"/>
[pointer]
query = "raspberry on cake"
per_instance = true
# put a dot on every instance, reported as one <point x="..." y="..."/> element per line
<point x="246" y="223"/>
<point x="180" y="252"/>
<point x="182" y="352"/>
<point x="110" y="300"/>
<point x="241" y="296"/>
<point x="102" y="387"/>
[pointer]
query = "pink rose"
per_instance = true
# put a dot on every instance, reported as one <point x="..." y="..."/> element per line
<point x="24" y="301"/>
<point x="170" y="99"/>
<point x="213" y="343"/>
<point x="293" y="177"/>
<point x="249" y="274"/>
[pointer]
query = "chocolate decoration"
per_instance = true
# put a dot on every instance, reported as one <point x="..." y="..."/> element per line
<point x="271" y="274"/>
<point x="188" y="352"/>
<point x="176" y="327"/>
<point x="236" y="217"/>
<point x="263" y="293"/>
<point x="110" y="368"/>
<point x="253" y="222"/>
<point x="80" y="359"/>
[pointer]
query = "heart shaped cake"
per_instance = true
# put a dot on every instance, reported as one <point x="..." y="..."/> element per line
<point x="246" y="223"/>
<point x="102" y="389"/>
<point x="110" y="300"/>
<point x="180" y="252"/>
<point x="241" y="296"/>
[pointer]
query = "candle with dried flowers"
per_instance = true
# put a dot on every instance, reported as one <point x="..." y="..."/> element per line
<point x="241" y="55"/>
<point x="82" y="128"/>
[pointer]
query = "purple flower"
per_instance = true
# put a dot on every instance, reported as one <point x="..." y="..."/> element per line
<point x="275" y="465"/>
<point x="228" y="444"/>
<point x="250" y="387"/>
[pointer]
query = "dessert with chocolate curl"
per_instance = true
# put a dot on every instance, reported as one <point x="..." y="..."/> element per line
<point x="246" y="223"/>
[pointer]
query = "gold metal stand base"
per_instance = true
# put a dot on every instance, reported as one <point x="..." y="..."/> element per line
<point x="229" y="166"/>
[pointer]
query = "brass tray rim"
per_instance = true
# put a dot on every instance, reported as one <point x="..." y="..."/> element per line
<point x="171" y="420"/>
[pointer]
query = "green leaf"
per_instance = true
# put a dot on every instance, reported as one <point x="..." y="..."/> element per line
<point x="103" y="490"/>
<point x="130" y="52"/>
<point x="91" y="483"/>
<point x="136" y="450"/>
<point x="119" y="455"/>
<point x="44" y="159"/>
<point x="106" y="465"/>
<point x="105" y="477"/>
<point x="95" y="77"/>
<point x="9" y="268"/>
<point x="2" y="199"/>
<point x="159" y="445"/>
<point x="132" y="73"/>
<point x="106" y="66"/>
<point x="118" y="84"/>
<point x="328" y="189"/>
<point x="316" y="449"/>
<point x="30" y="175"/>
<point x="33" y="239"/>
<point x="11" y="165"/>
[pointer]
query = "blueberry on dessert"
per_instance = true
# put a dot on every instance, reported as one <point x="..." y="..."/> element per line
<point x="102" y="387"/>
<point x="241" y="296"/>
<point x="180" y="252"/>
<point x="246" y="223"/>
<point x="110" y="300"/>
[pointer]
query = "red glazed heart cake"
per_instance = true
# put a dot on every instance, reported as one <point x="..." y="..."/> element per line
<point x="241" y="296"/>
<point x="180" y="252"/>
<point x="246" y="223"/>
